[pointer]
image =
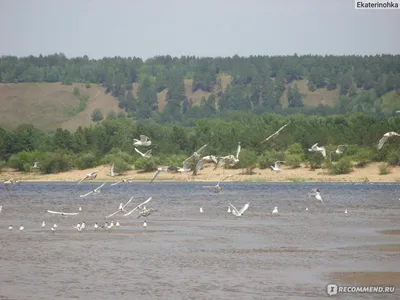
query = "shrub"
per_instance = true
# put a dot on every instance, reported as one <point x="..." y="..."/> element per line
<point x="85" y="161"/>
<point x="315" y="160"/>
<point x="384" y="169"/>
<point x="293" y="160"/>
<point x="393" y="158"/>
<point x="247" y="161"/>
<point x="20" y="160"/>
<point x="269" y="158"/>
<point x="363" y="157"/>
<point x="97" y="115"/>
<point x="55" y="162"/>
<point x="146" y="164"/>
<point x="343" y="166"/>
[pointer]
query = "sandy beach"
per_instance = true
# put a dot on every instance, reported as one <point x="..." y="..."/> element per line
<point x="302" y="174"/>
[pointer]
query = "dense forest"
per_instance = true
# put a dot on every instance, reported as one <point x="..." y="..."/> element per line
<point x="111" y="141"/>
<point x="256" y="83"/>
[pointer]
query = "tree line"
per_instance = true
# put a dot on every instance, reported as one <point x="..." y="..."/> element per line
<point x="111" y="142"/>
<point x="258" y="82"/>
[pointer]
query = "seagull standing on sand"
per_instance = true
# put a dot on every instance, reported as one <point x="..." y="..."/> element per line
<point x="315" y="148"/>
<point x="144" y="141"/>
<point x="277" y="166"/>
<point x="147" y="154"/>
<point x="385" y="137"/>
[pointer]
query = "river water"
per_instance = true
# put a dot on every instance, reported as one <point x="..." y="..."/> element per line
<point x="185" y="254"/>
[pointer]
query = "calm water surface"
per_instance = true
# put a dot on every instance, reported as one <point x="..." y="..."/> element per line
<point x="184" y="254"/>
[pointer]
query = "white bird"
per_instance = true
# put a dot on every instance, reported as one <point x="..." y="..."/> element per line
<point x="345" y="211"/>
<point x="277" y="167"/>
<point x="217" y="187"/>
<point x="315" y="148"/>
<point x="235" y="159"/>
<point x="55" y="225"/>
<point x="145" y="212"/>
<point x="89" y="176"/>
<point x="144" y="141"/>
<point x="95" y="191"/>
<point x="159" y="170"/>
<point x="80" y="208"/>
<point x="229" y="209"/>
<point x="10" y="227"/>
<point x="385" y="137"/>
<point x="231" y="159"/>
<point x="21" y="228"/>
<point x="306" y="208"/>
<point x="240" y="212"/>
<point x="83" y="225"/>
<point x="275" y="211"/>
<point x="111" y="172"/>
<point x="62" y="213"/>
<point x="78" y="226"/>
<point x="96" y="227"/>
<point x="203" y="161"/>
<point x="201" y="210"/>
<point x="111" y="224"/>
<point x="35" y="165"/>
<point x="117" y="224"/>
<point x="52" y="229"/>
<point x="185" y="167"/>
<point x="1" y="208"/>
<point x="123" y="181"/>
<point x="222" y="161"/>
<point x="144" y="224"/>
<point x="8" y="182"/>
<point x="340" y="149"/>
<point x="43" y="224"/>
<point x="121" y="208"/>
<point x="147" y="154"/>
<point x="138" y="207"/>
<point x="274" y="134"/>
<point x="196" y="154"/>
<point x="318" y="197"/>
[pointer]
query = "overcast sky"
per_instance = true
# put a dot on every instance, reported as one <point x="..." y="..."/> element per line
<point x="146" y="28"/>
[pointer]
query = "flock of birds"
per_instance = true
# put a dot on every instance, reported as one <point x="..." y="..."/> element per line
<point x="141" y="209"/>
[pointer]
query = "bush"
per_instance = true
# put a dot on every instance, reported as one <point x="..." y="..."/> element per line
<point x="76" y="91"/>
<point x="247" y="161"/>
<point x="363" y="157"/>
<point x="343" y="166"/>
<point x="146" y="164"/>
<point x="384" y="169"/>
<point x="269" y="158"/>
<point x="20" y="160"/>
<point x="85" y="161"/>
<point x="315" y="160"/>
<point x="111" y="115"/>
<point x="55" y="162"/>
<point x="294" y="160"/>
<point x="393" y="158"/>
<point x="97" y="115"/>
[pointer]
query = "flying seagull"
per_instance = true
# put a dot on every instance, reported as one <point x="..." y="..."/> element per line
<point x="111" y="172"/>
<point x="340" y="149"/>
<point x="146" y="212"/>
<point x="277" y="167"/>
<point x="147" y="154"/>
<point x="123" y="181"/>
<point x="217" y="187"/>
<point x="385" y="137"/>
<point x="95" y="191"/>
<point x="196" y="154"/>
<point x="120" y="209"/>
<point x="159" y="170"/>
<point x="144" y="141"/>
<point x="240" y="212"/>
<point x="185" y="167"/>
<point x="62" y="213"/>
<point x="89" y="176"/>
<point x="315" y="148"/>
<point x="35" y="165"/>
<point x="203" y="161"/>
<point x="138" y="207"/>
<point x="275" y="134"/>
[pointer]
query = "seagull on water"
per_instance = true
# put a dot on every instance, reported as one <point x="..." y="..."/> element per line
<point x="10" y="227"/>
<point x="117" y="224"/>
<point x="147" y="154"/>
<point x="55" y="225"/>
<point x="43" y="224"/>
<point x="120" y="209"/>
<point x="275" y="134"/>
<point x="277" y="167"/>
<point x="144" y="224"/>
<point x="385" y="137"/>
<point x="229" y="209"/>
<point x="201" y="210"/>
<point x="95" y="191"/>
<point x="8" y="182"/>
<point x="315" y="148"/>
<point x="96" y="227"/>
<point x="138" y="207"/>
<point x="217" y="187"/>
<point x="80" y="208"/>
<point x="275" y="211"/>
<point x="144" y="141"/>
<point x="21" y="228"/>
<point x="345" y="211"/>
<point x="240" y="212"/>
<point x="316" y="194"/>
<point x="145" y="212"/>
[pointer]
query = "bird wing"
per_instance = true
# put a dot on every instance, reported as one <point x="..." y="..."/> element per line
<point x="201" y="148"/>
<point x="143" y="138"/>
<point x="323" y="151"/>
<point x="71" y="214"/>
<point x="98" y="188"/>
<point x="82" y="179"/>
<point x="87" y="194"/>
<point x="275" y="134"/>
<point x="129" y="201"/>
<point x="223" y="178"/>
<point x="116" y="183"/>
<point x="382" y="141"/>
<point x="314" y="146"/>
<point x="139" y="206"/>
<point x="186" y="164"/>
<point x="111" y="173"/>
<point x="54" y="212"/>
<point x="199" y="165"/>
<point x="139" y="152"/>
<point x="148" y="153"/>
<point x="238" y="151"/>
<point x="222" y="161"/>
<point x="114" y="213"/>
<point x="244" y="208"/>
<point x="234" y="208"/>
<point x="155" y="175"/>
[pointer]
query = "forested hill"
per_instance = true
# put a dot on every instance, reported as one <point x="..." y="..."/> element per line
<point x="167" y="88"/>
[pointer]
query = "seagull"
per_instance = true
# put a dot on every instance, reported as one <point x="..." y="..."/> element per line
<point x="277" y="166"/>
<point x="315" y="148"/>
<point x="144" y="224"/>
<point x="231" y="159"/>
<point x="275" y="134"/>
<point x="203" y="161"/>
<point x="345" y="211"/>
<point x="138" y="207"/>
<point x="306" y="208"/>
<point x="43" y="224"/>
<point x="55" y="225"/>
<point x="235" y="159"/>
<point x="240" y="212"/>
<point x="145" y="212"/>
<point x="123" y="181"/>
<point x="1" y="208"/>
<point x="78" y="226"/>
<point x="201" y="210"/>
<point x="62" y="213"/>
<point x="147" y="154"/>
<point x="111" y="172"/>
<point x="80" y="208"/>
<point x="83" y="225"/>
<point x="121" y="208"/>
<point x="185" y="167"/>
<point x="95" y="191"/>
<point x="222" y="161"/>
<point x="96" y="227"/>
<point x="385" y="137"/>
<point x="89" y="176"/>
<point x="21" y="228"/>
<point x="35" y="165"/>
<point x="10" y="227"/>
<point x="160" y="169"/>
<point x="196" y="154"/>
<point x="275" y="211"/>
<point x="340" y="149"/>
<point x="217" y="187"/>
<point x="117" y="224"/>
<point x="144" y="141"/>
<point x="52" y="229"/>
<point x="8" y="182"/>
<point x="229" y="209"/>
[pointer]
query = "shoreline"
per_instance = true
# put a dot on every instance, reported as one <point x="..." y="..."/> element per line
<point x="303" y="174"/>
